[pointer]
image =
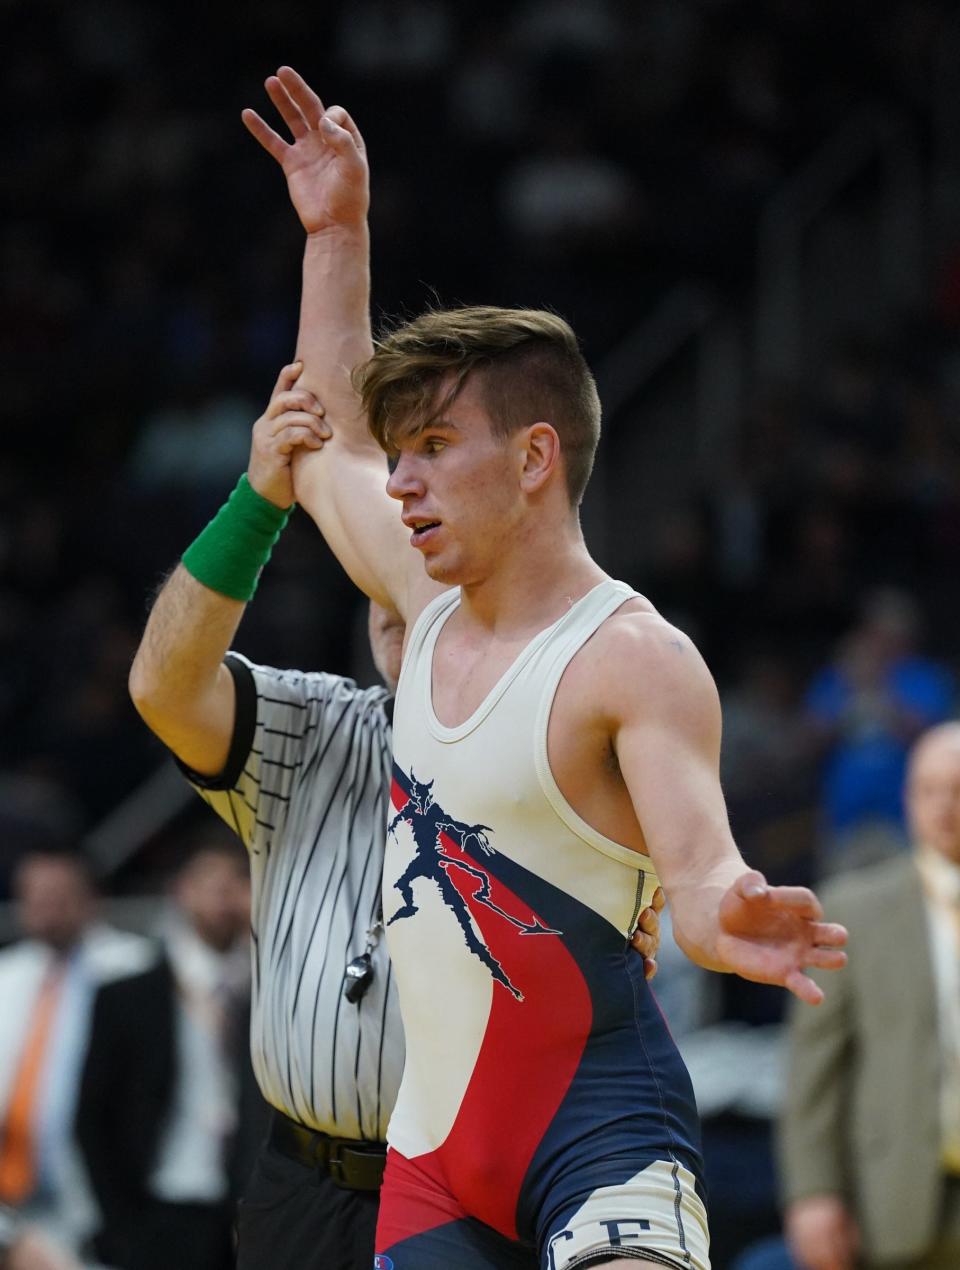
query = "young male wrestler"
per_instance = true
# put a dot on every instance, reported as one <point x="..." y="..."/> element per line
<point x="555" y="750"/>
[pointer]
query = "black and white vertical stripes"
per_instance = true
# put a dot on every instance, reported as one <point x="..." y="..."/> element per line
<point x="307" y="789"/>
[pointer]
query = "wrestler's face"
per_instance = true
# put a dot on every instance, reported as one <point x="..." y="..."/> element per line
<point x="459" y="486"/>
<point x="933" y="793"/>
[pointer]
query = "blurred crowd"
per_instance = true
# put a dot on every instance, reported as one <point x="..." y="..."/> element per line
<point x="131" y="1115"/>
<point x="584" y="155"/>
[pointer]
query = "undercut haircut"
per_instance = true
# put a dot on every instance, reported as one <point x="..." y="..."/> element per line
<point x="527" y="363"/>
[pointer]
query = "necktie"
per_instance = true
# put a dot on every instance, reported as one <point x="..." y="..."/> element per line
<point x="17" y="1162"/>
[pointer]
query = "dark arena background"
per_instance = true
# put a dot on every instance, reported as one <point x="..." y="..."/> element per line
<point x="749" y="212"/>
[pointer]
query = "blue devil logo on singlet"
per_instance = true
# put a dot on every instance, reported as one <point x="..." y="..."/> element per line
<point x="429" y="823"/>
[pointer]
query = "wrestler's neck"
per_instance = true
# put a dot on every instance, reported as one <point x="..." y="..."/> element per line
<point x="533" y="580"/>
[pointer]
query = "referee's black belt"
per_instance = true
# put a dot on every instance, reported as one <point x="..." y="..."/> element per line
<point x="357" y="1166"/>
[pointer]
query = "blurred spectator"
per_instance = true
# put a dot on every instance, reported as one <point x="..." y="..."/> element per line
<point x="564" y="194"/>
<point x="809" y="592"/>
<point x="395" y="38"/>
<point x="147" y="143"/>
<point x="47" y="986"/>
<point x="490" y="94"/>
<point x="23" y="1248"/>
<point x="861" y="422"/>
<point x="768" y="768"/>
<point x="871" y="1126"/>
<point x="766" y="750"/>
<point x="202" y="438"/>
<point x="36" y="814"/>
<point x="867" y="707"/>
<point x="159" y="1119"/>
<point x="77" y="732"/>
<point x="549" y="28"/>
<point x="679" y="577"/>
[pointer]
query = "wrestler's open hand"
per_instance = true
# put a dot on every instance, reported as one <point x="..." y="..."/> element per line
<point x="294" y="418"/>
<point x="771" y="934"/>
<point x="325" y="164"/>
<point x="646" y="938"/>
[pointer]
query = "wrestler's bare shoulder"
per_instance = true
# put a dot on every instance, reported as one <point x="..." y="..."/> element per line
<point x="636" y="651"/>
<point x="636" y="634"/>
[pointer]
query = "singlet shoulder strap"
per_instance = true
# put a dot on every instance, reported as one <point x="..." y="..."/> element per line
<point x="581" y="623"/>
<point x="435" y="612"/>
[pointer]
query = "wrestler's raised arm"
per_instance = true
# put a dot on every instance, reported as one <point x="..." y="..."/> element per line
<point x="664" y="720"/>
<point x="342" y="488"/>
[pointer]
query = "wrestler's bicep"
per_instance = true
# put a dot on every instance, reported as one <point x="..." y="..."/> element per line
<point x="667" y="739"/>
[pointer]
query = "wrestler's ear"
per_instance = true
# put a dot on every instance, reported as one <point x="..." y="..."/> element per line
<point x="538" y="454"/>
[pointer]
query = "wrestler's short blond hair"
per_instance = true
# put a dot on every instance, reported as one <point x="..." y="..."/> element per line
<point x="528" y="365"/>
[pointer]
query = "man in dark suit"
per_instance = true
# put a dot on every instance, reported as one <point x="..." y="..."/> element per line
<point x="162" y="1119"/>
<point x="871" y="1128"/>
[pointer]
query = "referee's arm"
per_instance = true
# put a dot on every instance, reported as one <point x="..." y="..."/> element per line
<point x="178" y="681"/>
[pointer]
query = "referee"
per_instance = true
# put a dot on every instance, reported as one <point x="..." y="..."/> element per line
<point x="299" y="765"/>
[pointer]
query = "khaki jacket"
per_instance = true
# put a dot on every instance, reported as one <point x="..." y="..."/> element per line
<point x="861" y="1111"/>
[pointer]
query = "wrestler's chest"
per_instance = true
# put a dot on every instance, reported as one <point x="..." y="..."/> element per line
<point x="464" y="677"/>
<point x="582" y="755"/>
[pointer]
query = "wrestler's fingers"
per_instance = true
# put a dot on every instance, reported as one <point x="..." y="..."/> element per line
<point x="302" y="95"/>
<point x="659" y="901"/>
<point x="803" y="986"/>
<point x="650" y="968"/>
<point x="751" y="885"/>
<point x="826" y="958"/>
<point x="338" y="138"/>
<point x="801" y="901"/>
<point x="344" y="119"/>
<point x="287" y="108"/>
<point x="828" y="934"/>
<point x="261" y="131"/>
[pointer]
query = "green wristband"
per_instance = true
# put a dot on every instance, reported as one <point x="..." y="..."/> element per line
<point x="229" y="554"/>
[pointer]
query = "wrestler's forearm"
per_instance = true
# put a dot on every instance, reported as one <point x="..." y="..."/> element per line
<point x="343" y="486"/>
<point x="334" y="335"/>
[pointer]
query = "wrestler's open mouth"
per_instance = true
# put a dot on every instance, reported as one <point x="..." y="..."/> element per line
<point x="422" y="530"/>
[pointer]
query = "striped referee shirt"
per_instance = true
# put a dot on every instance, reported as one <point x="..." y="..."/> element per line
<point x="306" y="787"/>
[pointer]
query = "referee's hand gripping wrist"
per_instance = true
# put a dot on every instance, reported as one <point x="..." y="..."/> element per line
<point x="229" y="555"/>
<point x="294" y="418"/>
